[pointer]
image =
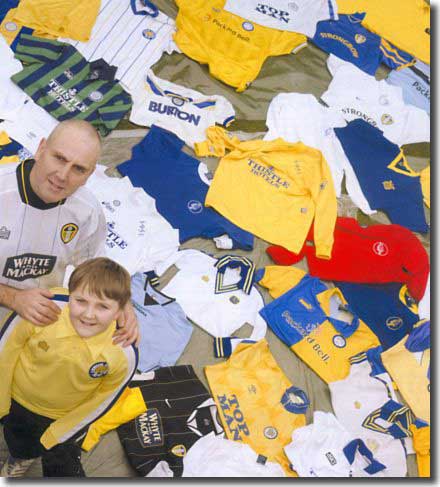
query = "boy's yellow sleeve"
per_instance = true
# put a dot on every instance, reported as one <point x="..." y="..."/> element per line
<point x="129" y="405"/>
<point x="14" y="333"/>
<point x="64" y="428"/>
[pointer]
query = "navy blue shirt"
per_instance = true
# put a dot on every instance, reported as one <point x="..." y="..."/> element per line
<point x="386" y="179"/>
<point x="165" y="172"/>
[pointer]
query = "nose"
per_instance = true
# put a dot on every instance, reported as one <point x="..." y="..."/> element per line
<point x="63" y="173"/>
<point x="89" y="313"/>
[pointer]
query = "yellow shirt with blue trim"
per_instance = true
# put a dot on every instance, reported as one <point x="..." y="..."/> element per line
<point x="234" y="48"/>
<point x="273" y="189"/>
<point x="314" y="321"/>
<point x="405" y="23"/>
<point x="54" y="372"/>
<point x="256" y="402"/>
<point x="58" y="18"/>
<point x="409" y="362"/>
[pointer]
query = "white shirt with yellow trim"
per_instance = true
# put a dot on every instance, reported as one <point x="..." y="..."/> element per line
<point x="185" y="112"/>
<point x="358" y="95"/>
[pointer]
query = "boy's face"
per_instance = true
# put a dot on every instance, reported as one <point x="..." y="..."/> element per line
<point x="90" y="314"/>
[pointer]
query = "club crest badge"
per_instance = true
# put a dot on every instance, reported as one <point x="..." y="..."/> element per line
<point x="68" y="232"/>
<point x="98" y="370"/>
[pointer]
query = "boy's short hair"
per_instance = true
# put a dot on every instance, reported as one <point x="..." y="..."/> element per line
<point x="104" y="278"/>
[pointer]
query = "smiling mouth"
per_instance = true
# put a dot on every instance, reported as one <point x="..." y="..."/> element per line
<point x="55" y="187"/>
<point x="87" y="324"/>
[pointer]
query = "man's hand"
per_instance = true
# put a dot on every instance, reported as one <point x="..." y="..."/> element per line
<point x="128" y="331"/>
<point x="35" y="305"/>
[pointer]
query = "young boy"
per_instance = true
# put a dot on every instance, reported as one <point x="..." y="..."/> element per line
<point x="58" y="379"/>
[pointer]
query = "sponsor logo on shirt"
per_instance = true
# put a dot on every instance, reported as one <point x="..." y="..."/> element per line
<point x="100" y="369"/>
<point x="230" y="30"/>
<point x="68" y="232"/>
<point x="358" y="114"/>
<point x="233" y="417"/>
<point x="268" y="174"/>
<point x="28" y="266"/>
<point x="149" y="428"/>
<point x="425" y="92"/>
<point x="66" y="97"/>
<point x="345" y="42"/>
<point x="305" y="331"/>
<point x="114" y="239"/>
<point x="394" y="322"/>
<point x="274" y="12"/>
<point x="174" y="112"/>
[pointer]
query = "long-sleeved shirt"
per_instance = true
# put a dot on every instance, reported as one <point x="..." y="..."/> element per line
<point x="54" y="372"/>
<point x="273" y="189"/>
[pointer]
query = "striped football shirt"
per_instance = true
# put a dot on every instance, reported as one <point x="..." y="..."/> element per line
<point x="131" y="35"/>
<point x="58" y="78"/>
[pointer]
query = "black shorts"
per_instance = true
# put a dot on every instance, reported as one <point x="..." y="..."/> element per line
<point x="23" y="430"/>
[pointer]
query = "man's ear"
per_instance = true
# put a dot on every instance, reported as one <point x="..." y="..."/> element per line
<point x="41" y="147"/>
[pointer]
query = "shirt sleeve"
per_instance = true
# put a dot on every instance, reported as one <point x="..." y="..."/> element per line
<point x="112" y="113"/>
<point x="129" y="405"/>
<point x="324" y="197"/>
<point x="394" y="57"/>
<point x="279" y="279"/>
<point x="32" y="49"/>
<point x="98" y="403"/>
<point x="13" y="336"/>
<point x="417" y="126"/>
<point x="224" y="111"/>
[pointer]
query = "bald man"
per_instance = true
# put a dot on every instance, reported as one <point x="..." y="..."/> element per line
<point x="48" y="220"/>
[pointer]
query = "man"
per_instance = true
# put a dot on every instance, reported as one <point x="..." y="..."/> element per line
<point x="48" y="221"/>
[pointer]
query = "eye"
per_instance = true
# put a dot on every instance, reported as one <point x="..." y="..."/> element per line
<point x="80" y="170"/>
<point x="79" y="300"/>
<point x="103" y="306"/>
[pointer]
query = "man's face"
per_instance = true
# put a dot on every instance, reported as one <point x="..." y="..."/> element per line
<point x="90" y="314"/>
<point x="62" y="164"/>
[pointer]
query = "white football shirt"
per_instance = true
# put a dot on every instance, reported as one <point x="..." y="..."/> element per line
<point x="317" y="450"/>
<point x="187" y="113"/>
<point x="214" y="456"/>
<point x="38" y="242"/>
<point x="138" y="237"/>
<point x="219" y="314"/>
<point x="297" y="117"/>
<point x="356" y="401"/>
<point x="131" y="35"/>
<point x="291" y="15"/>
<point x="358" y="95"/>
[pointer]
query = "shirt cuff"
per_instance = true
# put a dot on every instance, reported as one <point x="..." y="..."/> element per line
<point x="48" y="440"/>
